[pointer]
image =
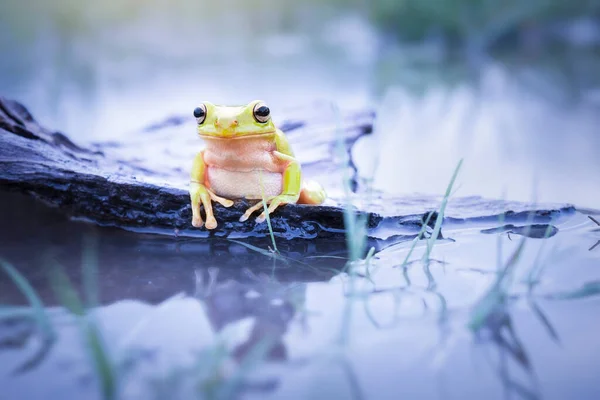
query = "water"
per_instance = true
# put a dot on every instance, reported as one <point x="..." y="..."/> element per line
<point x="164" y="300"/>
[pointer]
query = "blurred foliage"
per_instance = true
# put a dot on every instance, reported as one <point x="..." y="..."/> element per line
<point x="482" y="22"/>
<point x="59" y="47"/>
<point x="474" y="23"/>
<point x="407" y="19"/>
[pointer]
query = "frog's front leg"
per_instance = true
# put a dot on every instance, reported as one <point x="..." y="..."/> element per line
<point x="201" y="195"/>
<point x="292" y="179"/>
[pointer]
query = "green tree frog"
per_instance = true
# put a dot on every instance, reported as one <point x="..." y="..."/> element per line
<point x="245" y="157"/>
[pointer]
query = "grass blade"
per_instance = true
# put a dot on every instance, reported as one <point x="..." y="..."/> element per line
<point x="440" y="218"/>
<point x="589" y="289"/>
<point x="250" y="361"/>
<point x="355" y="388"/>
<point x="268" y="218"/>
<point x="416" y="240"/>
<point x="64" y="291"/>
<point x="368" y="264"/>
<point x="102" y="365"/>
<point x="545" y="321"/>
<point x="264" y="252"/>
<point x="89" y="262"/>
<point x="30" y="294"/>
<point x="495" y="297"/>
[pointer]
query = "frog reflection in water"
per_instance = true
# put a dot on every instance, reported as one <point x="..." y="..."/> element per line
<point x="245" y="157"/>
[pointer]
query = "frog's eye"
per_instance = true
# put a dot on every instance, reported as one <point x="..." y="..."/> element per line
<point x="261" y="113"/>
<point x="200" y="114"/>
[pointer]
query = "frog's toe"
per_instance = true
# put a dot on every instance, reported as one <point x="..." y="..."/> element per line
<point x="211" y="223"/>
<point x="197" y="222"/>
<point x="250" y="210"/>
<point x="276" y="202"/>
<point x="221" y="200"/>
<point x="262" y="217"/>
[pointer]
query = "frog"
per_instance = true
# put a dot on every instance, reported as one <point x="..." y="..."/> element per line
<point x="245" y="156"/>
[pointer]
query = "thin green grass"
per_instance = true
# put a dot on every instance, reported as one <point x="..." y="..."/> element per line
<point x="497" y="296"/>
<point x="356" y="391"/>
<point x="103" y="365"/>
<point x="266" y="211"/>
<point x="437" y="227"/>
<point x="588" y="289"/>
<point x="285" y="259"/>
<point x="251" y="360"/>
<point x="355" y="225"/>
<point x="371" y="317"/>
<point x="39" y="313"/>
<point x="264" y="252"/>
<point x="355" y="229"/>
<point x="534" y="276"/>
<point x="415" y="241"/>
<point x="89" y="262"/>
<point x="440" y="217"/>
<point x="10" y="312"/>
<point x="368" y="264"/>
<point x="545" y="321"/>
<point x="501" y="219"/>
<point x="332" y="257"/>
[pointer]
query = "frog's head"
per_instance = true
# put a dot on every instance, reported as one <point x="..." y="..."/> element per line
<point x="230" y="122"/>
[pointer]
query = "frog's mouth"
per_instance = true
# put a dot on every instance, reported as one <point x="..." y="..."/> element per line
<point x="237" y="136"/>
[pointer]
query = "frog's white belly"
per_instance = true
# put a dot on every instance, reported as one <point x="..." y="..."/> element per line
<point x="244" y="184"/>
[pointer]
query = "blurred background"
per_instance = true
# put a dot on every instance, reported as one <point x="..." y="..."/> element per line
<point x="512" y="86"/>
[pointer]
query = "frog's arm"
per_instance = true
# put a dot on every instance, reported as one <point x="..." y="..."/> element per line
<point x="292" y="176"/>
<point x="199" y="194"/>
<point x="309" y="192"/>
<point x="281" y="143"/>
<point x="292" y="179"/>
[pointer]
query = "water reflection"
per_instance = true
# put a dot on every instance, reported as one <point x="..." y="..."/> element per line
<point x="597" y="223"/>
<point x="270" y="303"/>
<point x="147" y="267"/>
<point x="213" y="285"/>
<point x="502" y="336"/>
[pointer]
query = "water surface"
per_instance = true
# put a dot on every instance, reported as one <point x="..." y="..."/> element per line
<point x="392" y="331"/>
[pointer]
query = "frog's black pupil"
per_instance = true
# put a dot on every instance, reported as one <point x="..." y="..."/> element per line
<point x="262" y="111"/>
<point x="199" y="112"/>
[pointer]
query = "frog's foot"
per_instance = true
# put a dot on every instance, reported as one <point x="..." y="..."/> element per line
<point x="200" y="195"/>
<point x="312" y="193"/>
<point x="221" y="200"/>
<point x="276" y="202"/>
<point x="197" y="221"/>
<point x="250" y="210"/>
<point x="211" y="222"/>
